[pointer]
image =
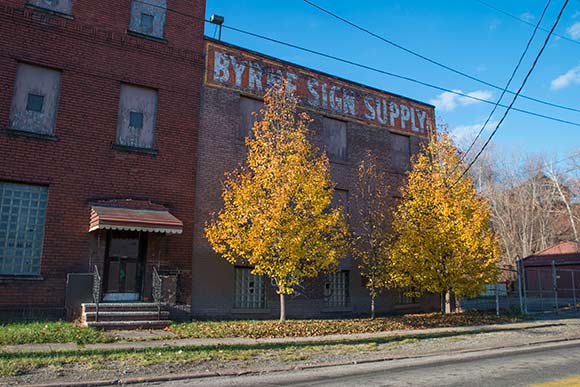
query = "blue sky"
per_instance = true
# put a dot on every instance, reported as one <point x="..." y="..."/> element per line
<point x="462" y="34"/>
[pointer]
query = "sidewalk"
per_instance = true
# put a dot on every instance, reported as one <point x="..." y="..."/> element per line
<point x="285" y="354"/>
<point x="236" y="341"/>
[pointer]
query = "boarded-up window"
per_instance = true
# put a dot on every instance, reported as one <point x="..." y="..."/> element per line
<point x="249" y="289"/>
<point x="337" y="290"/>
<point x="137" y="116"/>
<point x="60" y="6"/>
<point x="334" y="138"/>
<point x="248" y="108"/>
<point x="35" y="99"/>
<point x="22" y="218"/>
<point x="400" y="152"/>
<point x="148" y="17"/>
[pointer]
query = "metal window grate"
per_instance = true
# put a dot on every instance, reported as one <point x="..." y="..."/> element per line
<point x="22" y="217"/>
<point x="249" y="290"/>
<point x="403" y="298"/>
<point x="337" y="294"/>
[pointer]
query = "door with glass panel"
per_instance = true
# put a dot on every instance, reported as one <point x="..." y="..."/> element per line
<point x="124" y="260"/>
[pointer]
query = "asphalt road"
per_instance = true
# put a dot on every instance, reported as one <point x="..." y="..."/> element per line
<point x="514" y="368"/>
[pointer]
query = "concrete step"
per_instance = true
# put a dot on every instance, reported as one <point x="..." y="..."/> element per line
<point x="122" y="315"/>
<point x="122" y="306"/>
<point x="125" y="325"/>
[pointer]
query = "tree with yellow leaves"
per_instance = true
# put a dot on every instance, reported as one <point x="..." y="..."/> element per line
<point x="445" y="243"/>
<point x="277" y="213"/>
<point x="372" y="235"/>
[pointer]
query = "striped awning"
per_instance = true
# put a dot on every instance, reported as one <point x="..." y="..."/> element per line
<point x="114" y="218"/>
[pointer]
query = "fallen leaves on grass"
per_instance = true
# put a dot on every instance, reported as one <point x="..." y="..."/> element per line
<point x="307" y="328"/>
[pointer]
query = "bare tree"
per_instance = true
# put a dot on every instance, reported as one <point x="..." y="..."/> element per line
<point x="532" y="202"/>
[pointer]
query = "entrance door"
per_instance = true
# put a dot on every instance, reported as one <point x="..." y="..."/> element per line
<point x="124" y="265"/>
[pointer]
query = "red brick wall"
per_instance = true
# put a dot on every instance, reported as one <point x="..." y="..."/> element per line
<point x="96" y="55"/>
<point x="221" y="150"/>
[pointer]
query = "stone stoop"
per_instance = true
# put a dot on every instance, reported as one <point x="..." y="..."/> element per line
<point x="124" y="315"/>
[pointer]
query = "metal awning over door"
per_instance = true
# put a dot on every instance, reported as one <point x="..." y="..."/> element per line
<point x="129" y="219"/>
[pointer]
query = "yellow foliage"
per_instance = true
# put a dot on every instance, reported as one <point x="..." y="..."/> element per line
<point x="372" y="237"/>
<point x="444" y="238"/>
<point x="277" y="215"/>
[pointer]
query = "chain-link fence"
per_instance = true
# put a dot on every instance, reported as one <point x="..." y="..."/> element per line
<point x="499" y="297"/>
<point x="537" y="289"/>
<point x="550" y="289"/>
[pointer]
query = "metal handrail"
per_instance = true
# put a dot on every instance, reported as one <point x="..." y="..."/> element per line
<point x="156" y="290"/>
<point x="97" y="282"/>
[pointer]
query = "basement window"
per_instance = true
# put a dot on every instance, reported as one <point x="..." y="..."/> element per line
<point x="337" y="290"/>
<point x="249" y="289"/>
<point x="403" y="297"/>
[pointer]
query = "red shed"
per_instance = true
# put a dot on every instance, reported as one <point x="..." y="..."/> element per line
<point x="558" y="265"/>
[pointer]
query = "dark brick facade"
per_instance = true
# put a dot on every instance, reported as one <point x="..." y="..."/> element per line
<point x="95" y="55"/>
<point x="221" y="149"/>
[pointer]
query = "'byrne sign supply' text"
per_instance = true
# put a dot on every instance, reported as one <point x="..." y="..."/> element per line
<point x="250" y="73"/>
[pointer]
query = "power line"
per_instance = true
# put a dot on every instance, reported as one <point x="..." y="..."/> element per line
<point x="384" y="72"/>
<point x="366" y="67"/>
<point x="517" y="93"/>
<point x="432" y="61"/>
<point x="524" y="21"/>
<point x="530" y="40"/>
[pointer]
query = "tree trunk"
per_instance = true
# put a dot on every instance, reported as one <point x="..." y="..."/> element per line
<point x="448" y="308"/>
<point x="282" y="307"/>
<point x="373" y="306"/>
<point x="442" y="297"/>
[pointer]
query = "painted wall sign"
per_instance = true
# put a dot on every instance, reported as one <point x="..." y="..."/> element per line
<point x="240" y="70"/>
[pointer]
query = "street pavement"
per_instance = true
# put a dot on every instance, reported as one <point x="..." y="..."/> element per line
<point x="518" y="367"/>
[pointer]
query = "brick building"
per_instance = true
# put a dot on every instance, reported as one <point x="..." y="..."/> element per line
<point x="349" y="119"/>
<point x="99" y="105"/>
<point x="117" y="123"/>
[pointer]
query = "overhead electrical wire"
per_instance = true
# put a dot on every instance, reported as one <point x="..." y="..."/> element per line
<point x="363" y="66"/>
<point x="530" y="40"/>
<point x="432" y="61"/>
<point x="488" y="5"/>
<point x="533" y="66"/>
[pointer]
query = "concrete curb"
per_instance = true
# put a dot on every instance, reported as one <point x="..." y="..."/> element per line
<point x="397" y="362"/>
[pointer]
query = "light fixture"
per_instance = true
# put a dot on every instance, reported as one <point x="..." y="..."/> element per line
<point x="218" y="21"/>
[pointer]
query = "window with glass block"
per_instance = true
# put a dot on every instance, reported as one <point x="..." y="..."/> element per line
<point x="22" y="217"/>
<point x="336" y="290"/>
<point x="249" y="290"/>
<point x="403" y="297"/>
